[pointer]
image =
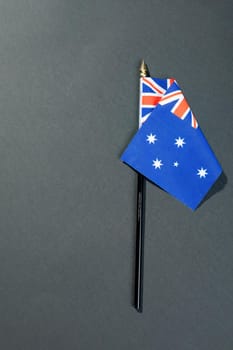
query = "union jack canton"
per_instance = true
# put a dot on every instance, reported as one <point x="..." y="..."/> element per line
<point x="163" y="91"/>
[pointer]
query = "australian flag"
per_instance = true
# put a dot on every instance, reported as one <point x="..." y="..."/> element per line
<point x="169" y="148"/>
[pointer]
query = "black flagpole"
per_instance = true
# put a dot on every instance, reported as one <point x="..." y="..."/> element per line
<point x="140" y="222"/>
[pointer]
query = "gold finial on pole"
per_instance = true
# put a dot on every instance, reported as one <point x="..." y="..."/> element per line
<point x="144" y="72"/>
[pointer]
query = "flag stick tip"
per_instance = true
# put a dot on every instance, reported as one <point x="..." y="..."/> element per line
<point x="143" y="69"/>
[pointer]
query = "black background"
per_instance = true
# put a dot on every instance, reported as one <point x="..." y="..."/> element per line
<point x="68" y="107"/>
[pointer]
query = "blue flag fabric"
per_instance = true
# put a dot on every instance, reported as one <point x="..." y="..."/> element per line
<point x="170" y="150"/>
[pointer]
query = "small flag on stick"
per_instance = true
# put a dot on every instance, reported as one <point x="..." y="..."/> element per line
<point x="170" y="149"/>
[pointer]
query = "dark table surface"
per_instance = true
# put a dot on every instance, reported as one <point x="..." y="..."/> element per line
<point x="68" y="107"/>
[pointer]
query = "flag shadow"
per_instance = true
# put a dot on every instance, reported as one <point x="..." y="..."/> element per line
<point x="217" y="187"/>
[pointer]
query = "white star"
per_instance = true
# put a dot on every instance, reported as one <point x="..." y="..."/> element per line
<point x="202" y="172"/>
<point x="179" y="142"/>
<point x="151" y="138"/>
<point x="176" y="164"/>
<point x="157" y="163"/>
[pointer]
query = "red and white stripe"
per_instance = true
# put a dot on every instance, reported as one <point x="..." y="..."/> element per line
<point x="181" y="107"/>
